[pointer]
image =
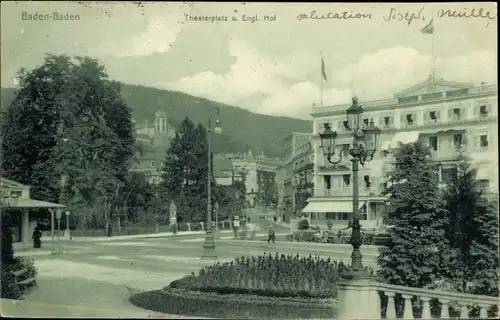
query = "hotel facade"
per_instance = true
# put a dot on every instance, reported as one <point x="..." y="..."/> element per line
<point x="447" y="116"/>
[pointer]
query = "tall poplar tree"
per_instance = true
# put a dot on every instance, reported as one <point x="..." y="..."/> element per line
<point x="416" y="212"/>
<point x="186" y="170"/>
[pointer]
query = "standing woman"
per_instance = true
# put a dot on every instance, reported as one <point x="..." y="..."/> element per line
<point x="37" y="237"/>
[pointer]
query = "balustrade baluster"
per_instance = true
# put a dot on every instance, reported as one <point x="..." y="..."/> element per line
<point x="390" y="313"/>
<point x="445" y="309"/>
<point x="426" y="311"/>
<point x="408" y="312"/>
<point x="464" y="311"/>
<point x="483" y="312"/>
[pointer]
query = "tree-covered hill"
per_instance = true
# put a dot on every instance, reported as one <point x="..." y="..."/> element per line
<point x="242" y="129"/>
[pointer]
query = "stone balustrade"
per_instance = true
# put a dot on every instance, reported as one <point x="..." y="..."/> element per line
<point x="401" y="302"/>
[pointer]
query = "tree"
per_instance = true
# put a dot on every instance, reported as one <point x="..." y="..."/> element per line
<point x="416" y="212"/>
<point x="186" y="170"/>
<point x="68" y="119"/>
<point x="472" y="233"/>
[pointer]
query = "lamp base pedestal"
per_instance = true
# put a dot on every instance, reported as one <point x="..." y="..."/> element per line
<point x="209" y="252"/>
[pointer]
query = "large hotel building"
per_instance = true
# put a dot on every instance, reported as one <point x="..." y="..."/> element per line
<point x="445" y="115"/>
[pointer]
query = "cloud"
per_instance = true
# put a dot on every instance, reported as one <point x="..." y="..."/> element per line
<point x="158" y="37"/>
<point x="286" y="85"/>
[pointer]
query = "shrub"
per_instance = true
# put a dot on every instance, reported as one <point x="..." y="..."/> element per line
<point x="183" y="226"/>
<point x="329" y="224"/>
<point x="268" y="275"/>
<point x="302" y="236"/>
<point x="10" y="289"/>
<point x="303" y="225"/>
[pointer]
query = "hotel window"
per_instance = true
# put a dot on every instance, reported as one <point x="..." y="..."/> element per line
<point x="456" y="114"/>
<point x="367" y="181"/>
<point x="433" y="116"/>
<point x="387" y="121"/>
<point x="347" y="179"/>
<point x="366" y="122"/>
<point x="433" y="143"/>
<point x="330" y="216"/>
<point x="346" y="125"/>
<point x="328" y="182"/>
<point x="483" y="141"/>
<point x="457" y="140"/>
<point x="483" y="111"/>
<point x="345" y="216"/>
<point x="409" y="119"/>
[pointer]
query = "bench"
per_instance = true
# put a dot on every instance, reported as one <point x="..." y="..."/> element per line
<point x="24" y="283"/>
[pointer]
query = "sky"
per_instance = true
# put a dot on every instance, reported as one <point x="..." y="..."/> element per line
<point x="268" y="67"/>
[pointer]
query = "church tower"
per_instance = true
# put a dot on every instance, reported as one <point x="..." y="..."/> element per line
<point x="161" y="125"/>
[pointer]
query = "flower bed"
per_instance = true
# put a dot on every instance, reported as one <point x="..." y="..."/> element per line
<point x="268" y="286"/>
<point x="268" y="275"/>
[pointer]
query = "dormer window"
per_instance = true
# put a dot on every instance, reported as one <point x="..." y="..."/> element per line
<point x="456" y="113"/>
<point x="483" y="111"/>
<point x="409" y="119"/>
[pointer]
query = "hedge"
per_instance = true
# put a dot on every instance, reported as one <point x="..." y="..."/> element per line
<point x="235" y="306"/>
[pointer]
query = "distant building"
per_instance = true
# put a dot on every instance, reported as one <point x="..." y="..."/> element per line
<point x="154" y="141"/>
<point x="447" y="116"/>
<point x="257" y="171"/>
<point x="294" y="175"/>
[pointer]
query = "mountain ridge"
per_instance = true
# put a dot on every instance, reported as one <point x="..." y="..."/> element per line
<point x="242" y="129"/>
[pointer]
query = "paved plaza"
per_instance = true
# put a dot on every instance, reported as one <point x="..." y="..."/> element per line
<point x="100" y="275"/>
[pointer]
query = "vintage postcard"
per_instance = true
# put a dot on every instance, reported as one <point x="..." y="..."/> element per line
<point x="249" y="160"/>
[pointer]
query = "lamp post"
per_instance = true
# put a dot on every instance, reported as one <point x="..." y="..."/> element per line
<point x="363" y="149"/>
<point x="209" y="244"/>
<point x="67" y="225"/>
<point x="216" y="209"/>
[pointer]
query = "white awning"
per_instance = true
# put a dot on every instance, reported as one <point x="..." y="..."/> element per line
<point x="331" y="206"/>
<point x="385" y="146"/>
<point x="404" y="137"/>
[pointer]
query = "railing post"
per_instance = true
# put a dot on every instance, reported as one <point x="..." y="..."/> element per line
<point x="390" y="313"/>
<point x="351" y="292"/>
<point x="464" y="311"/>
<point x="426" y="311"/>
<point x="408" y="312"/>
<point x="445" y="311"/>
<point x="483" y="312"/>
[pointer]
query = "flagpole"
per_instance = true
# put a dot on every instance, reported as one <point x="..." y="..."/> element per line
<point x="433" y="52"/>
<point x="321" y="76"/>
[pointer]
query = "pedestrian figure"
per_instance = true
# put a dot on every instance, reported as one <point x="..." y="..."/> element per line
<point x="109" y="230"/>
<point x="37" y="237"/>
<point x="272" y="235"/>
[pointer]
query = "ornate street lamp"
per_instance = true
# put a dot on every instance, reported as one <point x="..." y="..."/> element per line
<point x="209" y="244"/>
<point x="364" y="146"/>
